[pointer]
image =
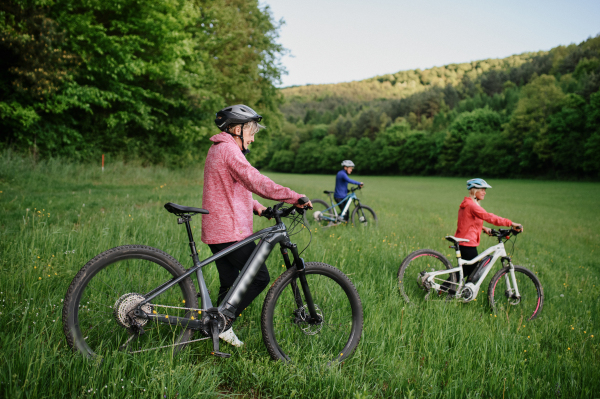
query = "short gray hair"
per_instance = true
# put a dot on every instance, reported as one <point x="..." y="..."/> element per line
<point x="249" y="127"/>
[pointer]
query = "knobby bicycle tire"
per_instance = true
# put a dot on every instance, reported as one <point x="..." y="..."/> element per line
<point x="530" y="289"/>
<point x="415" y="263"/>
<point x="366" y="213"/>
<point x="90" y="317"/>
<point x="287" y="337"/>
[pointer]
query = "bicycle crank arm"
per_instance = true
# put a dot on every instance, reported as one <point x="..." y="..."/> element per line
<point x="214" y="330"/>
<point x="172" y="320"/>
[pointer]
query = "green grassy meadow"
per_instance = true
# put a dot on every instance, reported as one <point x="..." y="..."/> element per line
<point x="56" y="216"/>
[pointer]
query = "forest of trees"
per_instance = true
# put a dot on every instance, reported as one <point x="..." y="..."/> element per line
<point x="134" y="78"/>
<point x="142" y="80"/>
<point x="535" y="114"/>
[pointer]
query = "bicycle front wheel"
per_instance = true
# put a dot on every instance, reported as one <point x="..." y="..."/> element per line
<point x="503" y="297"/>
<point x="97" y="311"/>
<point x="413" y="270"/>
<point x="320" y="215"/>
<point x="364" y="216"/>
<point x="287" y="330"/>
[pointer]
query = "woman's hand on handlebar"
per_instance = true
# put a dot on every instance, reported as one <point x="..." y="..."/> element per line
<point x="260" y="210"/>
<point x="487" y="231"/>
<point x="303" y="202"/>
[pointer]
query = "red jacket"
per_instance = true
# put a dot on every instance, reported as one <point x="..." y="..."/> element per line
<point x="229" y="181"/>
<point x="470" y="221"/>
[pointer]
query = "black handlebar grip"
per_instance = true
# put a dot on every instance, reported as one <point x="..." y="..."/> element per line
<point x="255" y="212"/>
<point x="303" y="200"/>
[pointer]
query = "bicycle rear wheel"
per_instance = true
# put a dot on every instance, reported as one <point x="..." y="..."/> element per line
<point x="364" y="216"/>
<point x="320" y="215"/>
<point x="503" y="298"/>
<point x="286" y="333"/>
<point x="415" y="266"/>
<point x="96" y="311"/>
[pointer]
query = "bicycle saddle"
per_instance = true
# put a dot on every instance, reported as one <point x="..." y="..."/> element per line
<point x="181" y="210"/>
<point x="455" y="239"/>
<point x="328" y="192"/>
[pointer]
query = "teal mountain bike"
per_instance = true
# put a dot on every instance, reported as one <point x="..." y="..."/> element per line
<point x="326" y="215"/>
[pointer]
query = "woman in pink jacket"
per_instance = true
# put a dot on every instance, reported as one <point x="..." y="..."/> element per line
<point x="229" y="181"/>
<point x="470" y="221"/>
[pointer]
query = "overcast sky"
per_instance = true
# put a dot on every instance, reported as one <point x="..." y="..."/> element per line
<point x="335" y="41"/>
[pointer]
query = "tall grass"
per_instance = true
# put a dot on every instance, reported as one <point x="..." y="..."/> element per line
<point x="55" y="216"/>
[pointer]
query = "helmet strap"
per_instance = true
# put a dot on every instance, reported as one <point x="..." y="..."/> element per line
<point x="245" y="151"/>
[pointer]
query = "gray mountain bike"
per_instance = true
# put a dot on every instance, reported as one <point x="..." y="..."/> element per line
<point x="136" y="298"/>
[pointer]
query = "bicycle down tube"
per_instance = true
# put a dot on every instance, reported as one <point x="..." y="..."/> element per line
<point x="269" y="237"/>
<point x="346" y="207"/>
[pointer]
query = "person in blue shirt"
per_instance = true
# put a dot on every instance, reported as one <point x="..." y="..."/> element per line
<point x="341" y="184"/>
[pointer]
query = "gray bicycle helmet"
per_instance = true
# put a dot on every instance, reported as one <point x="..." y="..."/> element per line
<point x="348" y="163"/>
<point x="477" y="183"/>
<point x="237" y="115"/>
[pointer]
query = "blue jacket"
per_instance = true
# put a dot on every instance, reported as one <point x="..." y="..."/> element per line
<point x="341" y="184"/>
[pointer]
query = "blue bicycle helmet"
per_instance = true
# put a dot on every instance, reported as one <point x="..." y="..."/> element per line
<point x="477" y="183"/>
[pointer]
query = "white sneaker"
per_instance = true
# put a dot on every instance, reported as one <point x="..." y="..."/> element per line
<point x="230" y="337"/>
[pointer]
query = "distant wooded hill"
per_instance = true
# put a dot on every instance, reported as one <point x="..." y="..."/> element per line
<point x="533" y="114"/>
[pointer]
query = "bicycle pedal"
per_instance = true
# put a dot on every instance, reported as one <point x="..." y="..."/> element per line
<point x="220" y="354"/>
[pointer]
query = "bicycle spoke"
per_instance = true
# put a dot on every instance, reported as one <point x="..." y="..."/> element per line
<point x="109" y="295"/>
<point x="412" y="282"/>
<point x="299" y="336"/>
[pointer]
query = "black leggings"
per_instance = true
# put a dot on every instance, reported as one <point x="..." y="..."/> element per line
<point x="468" y="253"/>
<point x="229" y="268"/>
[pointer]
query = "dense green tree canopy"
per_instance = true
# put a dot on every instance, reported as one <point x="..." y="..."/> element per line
<point x="132" y="77"/>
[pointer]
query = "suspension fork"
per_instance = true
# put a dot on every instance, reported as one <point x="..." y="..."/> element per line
<point x="301" y="272"/>
<point x="294" y="284"/>
<point x="511" y="283"/>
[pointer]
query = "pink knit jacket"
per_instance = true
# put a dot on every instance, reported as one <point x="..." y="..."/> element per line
<point x="229" y="181"/>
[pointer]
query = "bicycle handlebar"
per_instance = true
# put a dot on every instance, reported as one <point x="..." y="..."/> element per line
<point x="353" y="189"/>
<point x="276" y="213"/>
<point x="505" y="232"/>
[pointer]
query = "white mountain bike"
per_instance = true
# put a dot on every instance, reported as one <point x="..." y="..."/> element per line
<point x="427" y="274"/>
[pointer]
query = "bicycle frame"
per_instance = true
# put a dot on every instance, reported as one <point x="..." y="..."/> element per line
<point x="498" y="251"/>
<point x="351" y="196"/>
<point x="269" y="237"/>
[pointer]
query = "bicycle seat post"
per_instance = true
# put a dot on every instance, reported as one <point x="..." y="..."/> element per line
<point x="186" y="219"/>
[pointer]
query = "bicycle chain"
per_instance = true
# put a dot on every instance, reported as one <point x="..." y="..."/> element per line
<point x="172" y="345"/>
<point x="178" y="307"/>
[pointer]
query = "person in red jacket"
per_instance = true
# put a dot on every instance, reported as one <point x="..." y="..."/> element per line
<point x="229" y="181"/>
<point x="470" y="221"/>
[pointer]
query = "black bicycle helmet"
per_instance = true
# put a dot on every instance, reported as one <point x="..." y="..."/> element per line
<point x="236" y="115"/>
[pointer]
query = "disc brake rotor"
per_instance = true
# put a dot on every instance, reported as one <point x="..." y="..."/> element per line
<point x="303" y="320"/>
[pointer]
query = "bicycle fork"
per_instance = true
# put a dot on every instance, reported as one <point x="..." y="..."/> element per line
<point x="512" y="290"/>
<point x="299" y="262"/>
